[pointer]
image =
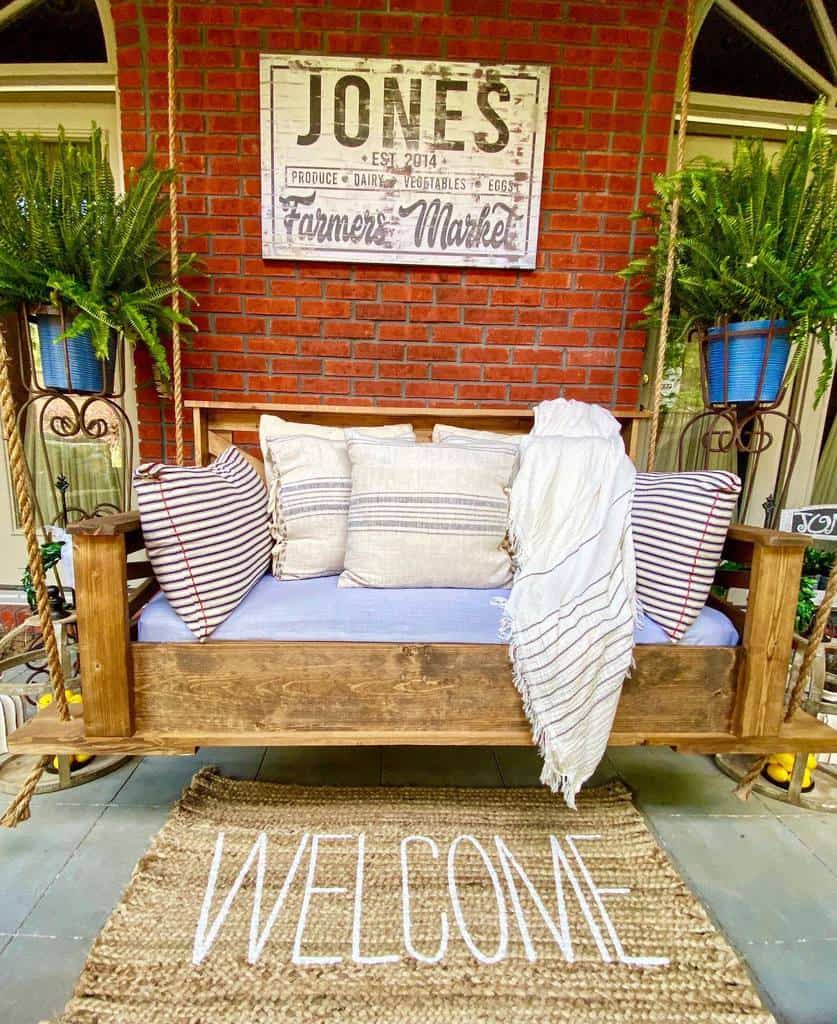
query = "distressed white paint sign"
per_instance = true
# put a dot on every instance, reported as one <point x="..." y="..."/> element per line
<point x="372" y="160"/>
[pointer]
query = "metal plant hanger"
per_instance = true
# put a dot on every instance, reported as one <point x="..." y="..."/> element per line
<point x="74" y="415"/>
<point x="748" y="428"/>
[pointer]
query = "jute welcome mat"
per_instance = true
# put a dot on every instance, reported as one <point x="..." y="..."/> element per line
<point x="262" y="903"/>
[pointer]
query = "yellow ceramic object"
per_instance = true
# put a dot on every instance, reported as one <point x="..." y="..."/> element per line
<point x="779" y="769"/>
<point x="74" y="759"/>
<point x="778" y="772"/>
<point x="785" y="760"/>
<point x="45" y="699"/>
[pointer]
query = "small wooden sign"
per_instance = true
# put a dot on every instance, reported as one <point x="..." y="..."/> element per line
<point x="381" y="161"/>
<point x="813" y="521"/>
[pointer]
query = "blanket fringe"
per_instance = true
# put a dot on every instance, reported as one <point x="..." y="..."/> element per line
<point x="556" y="779"/>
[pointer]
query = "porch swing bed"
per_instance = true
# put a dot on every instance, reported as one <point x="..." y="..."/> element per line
<point x="429" y="672"/>
<point x="163" y="696"/>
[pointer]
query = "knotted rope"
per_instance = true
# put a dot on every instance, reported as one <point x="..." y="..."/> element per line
<point x="745" y="786"/>
<point x="18" y="810"/>
<point x="665" y="314"/>
<point x="177" y="373"/>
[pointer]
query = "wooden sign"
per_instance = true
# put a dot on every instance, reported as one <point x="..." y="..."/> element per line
<point x="813" y="521"/>
<point x="382" y="161"/>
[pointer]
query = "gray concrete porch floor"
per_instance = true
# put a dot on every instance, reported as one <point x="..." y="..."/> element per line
<point x="766" y="872"/>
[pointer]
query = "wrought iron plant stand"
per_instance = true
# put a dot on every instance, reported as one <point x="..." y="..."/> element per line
<point x="746" y="428"/>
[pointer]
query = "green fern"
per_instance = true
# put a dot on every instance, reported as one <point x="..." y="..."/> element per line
<point x="66" y="236"/>
<point x="756" y="239"/>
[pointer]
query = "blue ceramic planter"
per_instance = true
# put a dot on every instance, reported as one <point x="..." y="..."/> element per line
<point x="87" y="374"/>
<point x="747" y="343"/>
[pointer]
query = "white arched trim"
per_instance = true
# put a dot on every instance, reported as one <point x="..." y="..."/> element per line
<point x="55" y="76"/>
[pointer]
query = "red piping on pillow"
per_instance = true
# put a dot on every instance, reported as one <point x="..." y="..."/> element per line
<point x="185" y="557"/>
<point x="708" y="519"/>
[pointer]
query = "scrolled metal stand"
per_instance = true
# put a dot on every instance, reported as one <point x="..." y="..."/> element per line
<point x="743" y="427"/>
<point x="70" y="416"/>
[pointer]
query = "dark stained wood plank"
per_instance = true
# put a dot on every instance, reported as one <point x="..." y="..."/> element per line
<point x="141" y="595"/>
<point x="391" y="411"/>
<point x="383" y="690"/>
<point x="767" y="638"/>
<point x="226" y="418"/>
<point x="733" y="578"/>
<point x="759" y="537"/>
<point x="45" y="734"/>
<point x="106" y="526"/>
<point x="736" y="615"/>
<point x="199" y="428"/>
<point x="104" y="632"/>
<point x="138" y="570"/>
<point x="677" y="689"/>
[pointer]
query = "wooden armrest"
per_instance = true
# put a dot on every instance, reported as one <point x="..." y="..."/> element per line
<point x="758" y="536"/>
<point x="106" y="526"/>
<point x="775" y="561"/>
<point x="101" y="546"/>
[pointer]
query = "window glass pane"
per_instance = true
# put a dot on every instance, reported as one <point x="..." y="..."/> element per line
<point x="792" y="23"/>
<point x="54" y="32"/>
<point x="726" y="61"/>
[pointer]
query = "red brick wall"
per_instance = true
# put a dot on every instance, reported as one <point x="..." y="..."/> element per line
<point x="276" y="330"/>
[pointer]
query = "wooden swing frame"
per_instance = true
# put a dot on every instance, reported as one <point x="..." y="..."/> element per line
<point x="163" y="698"/>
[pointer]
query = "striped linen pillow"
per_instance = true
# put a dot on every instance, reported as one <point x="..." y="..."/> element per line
<point x="679" y="524"/>
<point x="464" y="437"/>
<point x="273" y="427"/>
<point x="309" y="501"/>
<point x="206" y="535"/>
<point x="427" y="516"/>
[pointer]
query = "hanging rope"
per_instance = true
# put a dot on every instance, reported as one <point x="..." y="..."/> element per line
<point x="665" y="314"/>
<point x="745" y="786"/>
<point x="18" y="810"/>
<point x="177" y="373"/>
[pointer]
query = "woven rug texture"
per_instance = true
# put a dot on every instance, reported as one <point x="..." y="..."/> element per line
<point x="265" y="903"/>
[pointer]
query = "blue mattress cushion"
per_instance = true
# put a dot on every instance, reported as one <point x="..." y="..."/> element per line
<point x="317" y="609"/>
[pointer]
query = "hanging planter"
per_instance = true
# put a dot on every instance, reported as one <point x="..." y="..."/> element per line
<point x="755" y="239"/>
<point x="70" y="240"/>
<point x="745" y="362"/>
<point x="69" y="364"/>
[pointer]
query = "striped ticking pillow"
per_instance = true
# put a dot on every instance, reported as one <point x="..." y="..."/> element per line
<point x="427" y="516"/>
<point x="679" y="524"/>
<point x="309" y="501"/>
<point x="206" y="535"/>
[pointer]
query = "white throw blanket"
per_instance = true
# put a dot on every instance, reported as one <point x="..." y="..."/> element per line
<point x="570" y="616"/>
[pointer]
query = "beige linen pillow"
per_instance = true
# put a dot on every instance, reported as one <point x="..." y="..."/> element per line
<point x="309" y="501"/>
<point x="427" y="516"/>
<point x="271" y="427"/>
<point x="444" y="433"/>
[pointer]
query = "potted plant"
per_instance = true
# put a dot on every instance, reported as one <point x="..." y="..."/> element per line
<point x="755" y="262"/>
<point x="84" y="262"/>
